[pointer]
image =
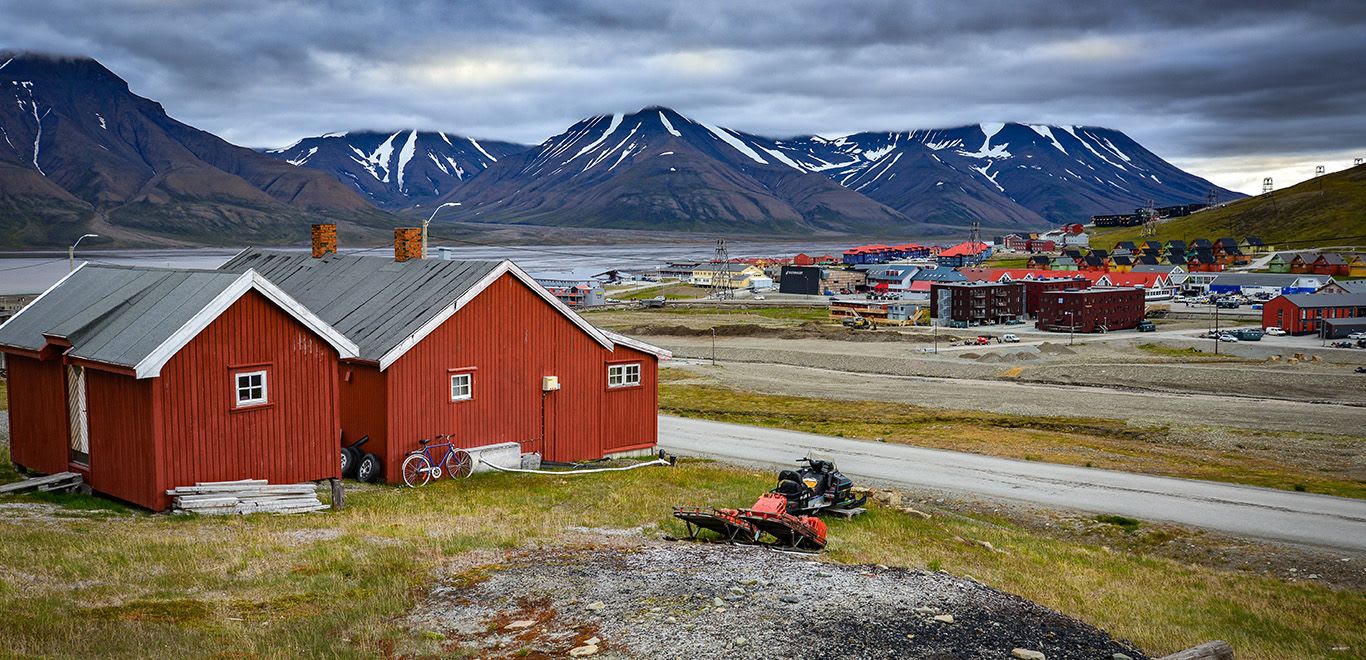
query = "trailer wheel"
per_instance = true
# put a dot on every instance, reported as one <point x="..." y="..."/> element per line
<point x="369" y="468"/>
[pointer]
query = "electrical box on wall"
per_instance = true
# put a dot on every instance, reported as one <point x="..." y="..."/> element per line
<point x="550" y="383"/>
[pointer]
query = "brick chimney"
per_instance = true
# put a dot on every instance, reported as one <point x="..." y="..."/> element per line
<point x="407" y="243"/>
<point x="324" y="240"/>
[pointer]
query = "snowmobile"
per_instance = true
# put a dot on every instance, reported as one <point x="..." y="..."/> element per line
<point x="787" y="513"/>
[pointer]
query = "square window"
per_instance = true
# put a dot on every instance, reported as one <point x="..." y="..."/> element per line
<point x="462" y="387"/>
<point x="623" y="375"/>
<point x="251" y="388"/>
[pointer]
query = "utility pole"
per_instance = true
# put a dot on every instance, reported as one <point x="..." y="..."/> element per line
<point x="1216" y="326"/>
<point x="1318" y="174"/>
<point x="428" y="221"/>
<point x="713" y="346"/>
<point x="71" y="252"/>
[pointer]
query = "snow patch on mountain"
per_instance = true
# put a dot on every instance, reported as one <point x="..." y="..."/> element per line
<point x="668" y="126"/>
<point x="476" y="146"/>
<point x="725" y="136"/>
<point x="1047" y="132"/>
<point x="409" y="148"/>
<point x="300" y="160"/>
<point x="611" y="127"/>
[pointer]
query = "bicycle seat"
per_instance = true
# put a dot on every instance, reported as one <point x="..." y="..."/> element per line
<point x="424" y="441"/>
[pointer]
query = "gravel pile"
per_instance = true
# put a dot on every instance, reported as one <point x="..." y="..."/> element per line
<point x="689" y="600"/>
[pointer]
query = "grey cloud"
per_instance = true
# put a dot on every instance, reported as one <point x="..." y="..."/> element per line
<point x="1194" y="79"/>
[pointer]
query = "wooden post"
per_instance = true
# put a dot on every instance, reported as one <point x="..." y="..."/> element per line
<point x="1215" y="650"/>
<point x="338" y="495"/>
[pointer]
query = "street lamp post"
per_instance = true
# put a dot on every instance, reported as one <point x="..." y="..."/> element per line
<point x="428" y="221"/>
<point x="71" y="252"/>
<point x="713" y="346"/>
<point x="1071" y="328"/>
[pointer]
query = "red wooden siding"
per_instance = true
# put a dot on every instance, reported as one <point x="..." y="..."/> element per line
<point x="122" y="437"/>
<point x="630" y="419"/>
<point x="512" y="338"/>
<point x="39" y="433"/>
<point x="292" y="438"/>
<point x="363" y="407"/>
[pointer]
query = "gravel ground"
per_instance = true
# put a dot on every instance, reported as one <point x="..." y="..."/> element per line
<point x="687" y="600"/>
<point x="1103" y="365"/>
<point x="836" y="381"/>
<point x="4" y="428"/>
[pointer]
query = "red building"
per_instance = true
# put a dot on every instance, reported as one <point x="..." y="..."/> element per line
<point x="475" y="349"/>
<point x="1091" y="310"/>
<point x="1034" y="290"/>
<point x="976" y="303"/>
<point x="147" y="379"/>
<point x="1305" y="313"/>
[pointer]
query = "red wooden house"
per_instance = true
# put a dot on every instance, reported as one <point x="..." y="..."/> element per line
<point x="1306" y="313"/>
<point x="146" y="379"/>
<point x="475" y="349"/>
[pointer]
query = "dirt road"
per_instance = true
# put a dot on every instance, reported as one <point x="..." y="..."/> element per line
<point x="1321" y="520"/>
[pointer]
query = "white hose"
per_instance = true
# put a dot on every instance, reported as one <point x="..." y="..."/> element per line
<point x="657" y="461"/>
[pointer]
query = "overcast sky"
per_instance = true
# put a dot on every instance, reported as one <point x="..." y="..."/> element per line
<point x="1233" y="91"/>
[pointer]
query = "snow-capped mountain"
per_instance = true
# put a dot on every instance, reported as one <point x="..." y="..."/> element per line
<point x="1002" y="174"/>
<point x="657" y="169"/>
<point x="400" y="169"/>
<point x="77" y="147"/>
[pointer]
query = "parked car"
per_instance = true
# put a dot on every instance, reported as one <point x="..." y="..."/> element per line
<point x="1146" y="326"/>
<point x="1228" y="338"/>
<point x="1010" y="338"/>
<point x="1357" y="335"/>
<point x="758" y="297"/>
<point x="1274" y="331"/>
<point x="1227" y="304"/>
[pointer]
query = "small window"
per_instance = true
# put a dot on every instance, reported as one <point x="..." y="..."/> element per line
<point x="462" y="387"/>
<point x="623" y="375"/>
<point x="251" y="388"/>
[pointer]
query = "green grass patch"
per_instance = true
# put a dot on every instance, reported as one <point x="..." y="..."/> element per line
<point x="340" y="583"/>
<point x="1188" y="353"/>
<point x="1323" y="210"/>
<point x="1092" y="442"/>
<point x="1126" y="524"/>
<point x="1013" y="261"/>
<point x="670" y="291"/>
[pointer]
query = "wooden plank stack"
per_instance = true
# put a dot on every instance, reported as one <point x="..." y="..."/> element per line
<point x="245" y="496"/>
<point x="62" y="481"/>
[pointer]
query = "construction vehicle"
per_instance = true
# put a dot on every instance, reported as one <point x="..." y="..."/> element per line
<point x="788" y="513"/>
<point x="858" y="322"/>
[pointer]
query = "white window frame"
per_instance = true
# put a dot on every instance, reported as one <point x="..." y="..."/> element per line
<point x="626" y="374"/>
<point x="468" y="387"/>
<point x="239" y="388"/>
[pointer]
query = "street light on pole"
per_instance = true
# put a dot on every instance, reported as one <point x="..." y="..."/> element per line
<point x="1071" y="328"/>
<point x="71" y="252"/>
<point x="428" y="221"/>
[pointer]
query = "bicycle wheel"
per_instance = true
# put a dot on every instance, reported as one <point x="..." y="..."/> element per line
<point x="459" y="464"/>
<point x="417" y="470"/>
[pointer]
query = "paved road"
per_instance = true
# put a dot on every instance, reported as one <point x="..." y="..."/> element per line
<point x="1320" y="520"/>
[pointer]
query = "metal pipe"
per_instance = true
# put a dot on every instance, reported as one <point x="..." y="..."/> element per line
<point x="657" y="461"/>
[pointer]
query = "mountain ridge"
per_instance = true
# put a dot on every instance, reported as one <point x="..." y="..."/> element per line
<point x="80" y="149"/>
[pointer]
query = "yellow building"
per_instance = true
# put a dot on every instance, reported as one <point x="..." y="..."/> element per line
<point x="740" y="274"/>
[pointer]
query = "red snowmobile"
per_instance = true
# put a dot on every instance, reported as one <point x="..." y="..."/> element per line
<point x="787" y="513"/>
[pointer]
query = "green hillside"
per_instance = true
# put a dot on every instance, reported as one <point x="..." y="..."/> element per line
<point x="1298" y="217"/>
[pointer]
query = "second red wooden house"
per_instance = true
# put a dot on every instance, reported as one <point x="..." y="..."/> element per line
<point x="472" y="348"/>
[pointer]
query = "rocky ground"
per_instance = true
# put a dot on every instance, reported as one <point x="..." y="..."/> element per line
<point x="683" y="599"/>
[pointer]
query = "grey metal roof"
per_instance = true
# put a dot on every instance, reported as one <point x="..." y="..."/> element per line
<point x="1327" y="299"/>
<point x="375" y="302"/>
<point x="116" y="314"/>
<point x="1263" y="279"/>
<point x="1353" y="286"/>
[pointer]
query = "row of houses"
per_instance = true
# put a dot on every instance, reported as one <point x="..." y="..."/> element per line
<point x="145" y="379"/>
<point x="1318" y="263"/>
